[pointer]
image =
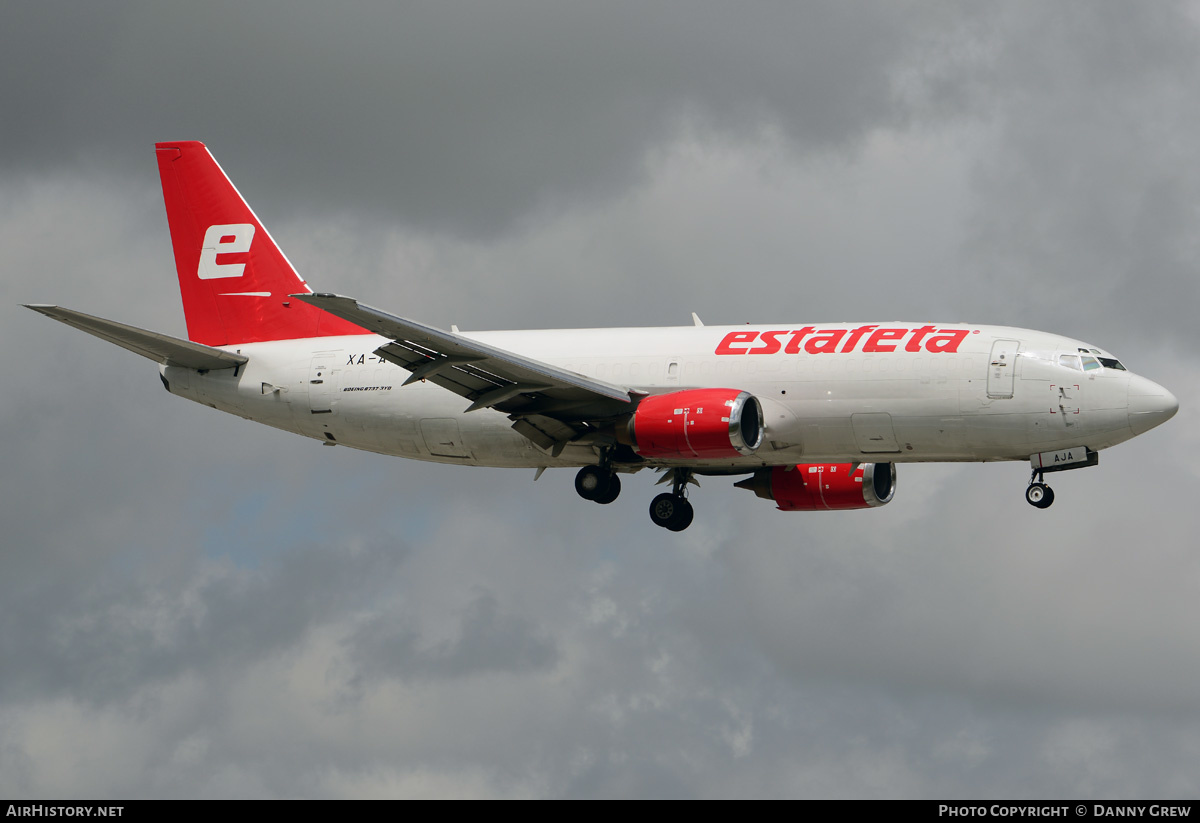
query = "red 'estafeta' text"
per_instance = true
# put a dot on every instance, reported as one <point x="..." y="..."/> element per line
<point x="840" y="341"/>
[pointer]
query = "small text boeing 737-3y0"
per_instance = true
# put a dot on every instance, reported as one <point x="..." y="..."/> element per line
<point x="812" y="415"/>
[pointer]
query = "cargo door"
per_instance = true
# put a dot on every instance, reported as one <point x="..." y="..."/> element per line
<point x="1001" y="368"/>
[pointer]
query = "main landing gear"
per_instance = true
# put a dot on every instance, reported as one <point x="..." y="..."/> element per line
<point x="671" y="510"/>
<point x="599" y="484"/>
<point x="1038" y="493"/>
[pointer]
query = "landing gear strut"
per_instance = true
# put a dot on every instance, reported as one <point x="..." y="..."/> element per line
<point x="1038" y="493"/>
<point x="599" y="484"/>
<point x="671" y="510"/>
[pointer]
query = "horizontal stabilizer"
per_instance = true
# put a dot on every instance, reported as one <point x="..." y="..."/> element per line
<point x="161" y="348"/>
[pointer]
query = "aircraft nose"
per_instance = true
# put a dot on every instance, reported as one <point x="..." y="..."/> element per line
<point x="1149" y="404"/>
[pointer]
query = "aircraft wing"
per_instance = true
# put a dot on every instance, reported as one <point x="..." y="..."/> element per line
<point x="549" y="405"/>
<point x="161" y="348"/>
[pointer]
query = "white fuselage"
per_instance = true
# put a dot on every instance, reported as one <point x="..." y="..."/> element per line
<point x="997" y="394"/>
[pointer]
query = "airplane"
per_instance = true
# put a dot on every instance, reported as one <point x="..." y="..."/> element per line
<point x="813" y="416"/>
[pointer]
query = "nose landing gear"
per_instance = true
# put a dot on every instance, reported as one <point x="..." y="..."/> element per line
<point x="1077" y="457"/>
<point x="1038" y="493"/>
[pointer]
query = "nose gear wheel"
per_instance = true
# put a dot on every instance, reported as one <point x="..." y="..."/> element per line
<point x="1038" y="493"/>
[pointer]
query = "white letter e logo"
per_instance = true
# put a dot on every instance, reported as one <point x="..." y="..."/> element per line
<point x="224" y="239"/>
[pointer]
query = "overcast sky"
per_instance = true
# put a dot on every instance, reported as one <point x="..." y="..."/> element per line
<point x="192" y="605"/>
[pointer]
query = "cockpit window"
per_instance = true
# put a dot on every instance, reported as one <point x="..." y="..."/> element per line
<point x="1084" y="362"/>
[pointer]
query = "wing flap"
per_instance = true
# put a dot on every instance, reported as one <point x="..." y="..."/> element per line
<point x="161" y="348"/>
<point x="544" y="431"/>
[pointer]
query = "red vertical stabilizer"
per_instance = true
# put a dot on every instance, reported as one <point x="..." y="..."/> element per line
<point x="234" y="280"/>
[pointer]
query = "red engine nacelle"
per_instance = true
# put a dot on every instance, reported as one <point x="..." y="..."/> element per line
<point x="811" y="487"/>
<point x="697" y="423"/>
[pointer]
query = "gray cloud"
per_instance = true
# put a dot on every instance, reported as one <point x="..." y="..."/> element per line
<point x="487" y="641"/>
<point x="459" y="117"/>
